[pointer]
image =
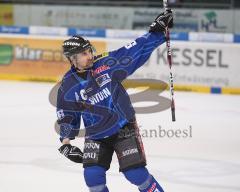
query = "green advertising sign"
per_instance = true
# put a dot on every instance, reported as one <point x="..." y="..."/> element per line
<point x="6" y="54"/>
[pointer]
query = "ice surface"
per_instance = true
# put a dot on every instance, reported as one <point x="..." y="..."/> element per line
<point x="206" y="160"/>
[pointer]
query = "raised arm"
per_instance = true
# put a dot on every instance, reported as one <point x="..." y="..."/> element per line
<point x="129" y="58"/>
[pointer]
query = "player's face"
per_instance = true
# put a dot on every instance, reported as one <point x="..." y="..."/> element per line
<point x="83" y="60"/>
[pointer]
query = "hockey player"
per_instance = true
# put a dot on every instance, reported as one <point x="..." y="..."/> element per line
<point x="92" y="89"/>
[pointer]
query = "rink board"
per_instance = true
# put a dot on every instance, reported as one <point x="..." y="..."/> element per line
<point x="197" y="66"/>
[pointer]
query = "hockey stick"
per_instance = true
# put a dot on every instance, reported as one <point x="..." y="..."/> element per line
<point x="169" y="58"/>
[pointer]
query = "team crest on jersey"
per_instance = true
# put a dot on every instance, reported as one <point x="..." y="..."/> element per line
<point x="103" y="79"/>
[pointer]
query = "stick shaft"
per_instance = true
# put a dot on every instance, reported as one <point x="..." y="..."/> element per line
<point x="169" y="58"/>
<point x="165" y="4"/>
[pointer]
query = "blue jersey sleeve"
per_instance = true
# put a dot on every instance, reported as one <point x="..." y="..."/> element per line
<point x="129" y="58"/>
<point x="69" y="118"/>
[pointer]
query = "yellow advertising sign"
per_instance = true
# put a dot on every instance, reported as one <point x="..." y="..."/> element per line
<point x="6" y="14"/>
<point x="35" y="58"/>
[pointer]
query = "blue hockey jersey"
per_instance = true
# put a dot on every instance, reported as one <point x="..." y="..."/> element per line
<point x="98" y="95"/>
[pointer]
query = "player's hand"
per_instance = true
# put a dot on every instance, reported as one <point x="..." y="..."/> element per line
<point x="162" y="21"/>
<point x="71" y="152"/>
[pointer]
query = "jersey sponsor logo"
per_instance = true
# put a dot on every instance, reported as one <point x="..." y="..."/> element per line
<point x="91" y="146"/>
<point x="94" y="99"/>
<point x="129" y="152"/>
<point x="89" y="156"/>
<point x="101" y="69"/>
<point x="103" y="79"/>
<point x="83" y="95"/>
<point x="105" y="93"/>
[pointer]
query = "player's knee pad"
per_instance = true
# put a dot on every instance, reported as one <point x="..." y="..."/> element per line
<point x="137" y="176"/>
<point x="95" y="176"/>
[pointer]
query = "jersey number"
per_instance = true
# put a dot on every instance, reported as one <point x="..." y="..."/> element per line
<point x="129" y="45"/>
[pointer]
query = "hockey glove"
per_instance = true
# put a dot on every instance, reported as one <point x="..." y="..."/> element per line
<point x="71" y="152"/>
<point x="162" y="21"/>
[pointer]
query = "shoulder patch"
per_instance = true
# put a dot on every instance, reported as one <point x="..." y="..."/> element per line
<point x="98" y="57"/>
